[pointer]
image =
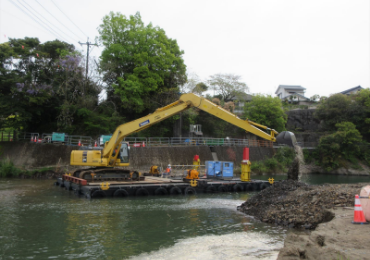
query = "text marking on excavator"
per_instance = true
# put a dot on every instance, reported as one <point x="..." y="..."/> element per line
<point x="144" y="123"/>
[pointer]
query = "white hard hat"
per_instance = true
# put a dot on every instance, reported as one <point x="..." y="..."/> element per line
<point x="169" y="165"/>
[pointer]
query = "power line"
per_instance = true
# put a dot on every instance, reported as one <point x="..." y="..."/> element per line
<point x="56" y="19"/>
<point x="34" y="19"/>
<point x="47" y="22"/>
<point x="26" y="22"/>
<point x="68" y="18"/>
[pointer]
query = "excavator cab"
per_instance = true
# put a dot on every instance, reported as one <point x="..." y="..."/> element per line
<point x="124" y="153"/>
<point x="287" y="138"/>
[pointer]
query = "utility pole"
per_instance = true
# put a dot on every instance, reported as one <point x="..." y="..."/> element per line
<point x="87" y="55"/>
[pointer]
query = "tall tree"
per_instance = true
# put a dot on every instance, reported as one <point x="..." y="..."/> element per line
<point x="46" y="83"/>
<point x="228" y="86"/>
<point x="266" y="110"/>
<point x="139" y="60"/>
<point x="28" y="68"/>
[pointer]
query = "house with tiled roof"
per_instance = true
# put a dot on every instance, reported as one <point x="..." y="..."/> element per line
<point x="351" y="90"/>
<point x="292" y="93"/>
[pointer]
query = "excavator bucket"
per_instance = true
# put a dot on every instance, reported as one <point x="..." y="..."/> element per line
<point x="287" y="138"/>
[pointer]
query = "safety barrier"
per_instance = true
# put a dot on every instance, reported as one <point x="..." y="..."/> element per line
<point x="78" y="140"/>
<point x="136" y="141"/>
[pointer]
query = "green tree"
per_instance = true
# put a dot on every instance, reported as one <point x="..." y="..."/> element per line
<point x="200" y="88"/>
<point x="343" y="144"/>
<point x="46" y="81"/>
<point x="266" y="110"/>
<point x="362" y="99"/>
<point x="27" y="75"/>
<point x="139" y="60"/>
<point x="228" y="86"/>
<point x="337" y="108"/>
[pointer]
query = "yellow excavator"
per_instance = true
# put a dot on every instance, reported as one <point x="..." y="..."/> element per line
<point x="116" y="152"/>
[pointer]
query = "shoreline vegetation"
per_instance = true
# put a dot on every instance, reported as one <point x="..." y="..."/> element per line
<point x="8" y="170"/>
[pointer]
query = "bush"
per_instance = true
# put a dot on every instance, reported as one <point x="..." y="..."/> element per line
<point x="343" y="144"/>
<point x="258" y="167"/>
<point x="309" y="156"/>
<point x="282" y="159"/>
<point x="7" y="169"/>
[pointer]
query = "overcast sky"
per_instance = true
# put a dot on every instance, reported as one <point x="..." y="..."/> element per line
<point x="322" y="45"/>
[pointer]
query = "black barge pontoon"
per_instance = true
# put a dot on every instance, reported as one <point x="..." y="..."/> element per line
<point x="150" y="185"/>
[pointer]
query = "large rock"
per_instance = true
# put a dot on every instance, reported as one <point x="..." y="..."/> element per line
<point x="302" y="120"/>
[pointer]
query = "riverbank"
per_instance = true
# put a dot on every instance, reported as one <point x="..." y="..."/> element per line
<point x="319" y="208"/>
<point x="337" y="239"/>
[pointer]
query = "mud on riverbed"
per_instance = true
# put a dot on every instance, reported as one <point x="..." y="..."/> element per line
<point x="298" y="205"/>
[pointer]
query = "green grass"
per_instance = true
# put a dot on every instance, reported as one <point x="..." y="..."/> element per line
<point x="7" y="169"/>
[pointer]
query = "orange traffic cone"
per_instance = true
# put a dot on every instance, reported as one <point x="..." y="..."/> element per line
<point x="143" y="144"/>
<point x="359" y="217"/>
<point x="79" y="142"/>
<point x="35" y="139"/>
<point x="95" y="144"/>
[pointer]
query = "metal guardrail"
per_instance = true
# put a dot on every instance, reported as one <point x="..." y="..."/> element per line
<point x="78" y="140"/>
<point x="159" y="141"/>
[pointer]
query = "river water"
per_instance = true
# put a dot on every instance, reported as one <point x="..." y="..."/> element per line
<point x="41" y="221"/>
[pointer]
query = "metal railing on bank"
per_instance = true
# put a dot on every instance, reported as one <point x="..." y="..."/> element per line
<point x="78" y="140"/>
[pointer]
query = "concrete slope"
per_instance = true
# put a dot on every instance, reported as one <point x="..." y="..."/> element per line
<point x="31" y="155"/>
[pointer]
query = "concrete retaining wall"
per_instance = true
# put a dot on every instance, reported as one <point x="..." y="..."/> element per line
<point x="30" y="155"/>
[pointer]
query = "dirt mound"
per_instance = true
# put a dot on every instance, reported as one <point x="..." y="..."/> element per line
<point x="298" y="205"/>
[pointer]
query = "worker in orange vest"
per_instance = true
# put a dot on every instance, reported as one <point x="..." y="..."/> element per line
<point x="168" y="171"/>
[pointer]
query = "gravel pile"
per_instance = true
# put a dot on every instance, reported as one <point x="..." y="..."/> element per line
<point x="298" y="205"/>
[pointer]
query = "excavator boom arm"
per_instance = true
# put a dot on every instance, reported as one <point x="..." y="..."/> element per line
<point x="213" y="109"/>
<point x="140" y="124"/>
<point x="186" y="101"/>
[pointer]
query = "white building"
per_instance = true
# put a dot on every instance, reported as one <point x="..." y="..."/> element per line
<point x="291" y="93"/>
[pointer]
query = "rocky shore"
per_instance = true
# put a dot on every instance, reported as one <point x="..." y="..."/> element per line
<point x="325" y="210"/>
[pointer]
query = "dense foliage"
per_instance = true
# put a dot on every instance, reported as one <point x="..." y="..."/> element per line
<point x="347" y="119"/>
<point x="342" y="148"/>
<point x="139" y="60"/>
<point x="44" y="89"/>
<point x="338" y="108"/>
<point x="266" y="110"/>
